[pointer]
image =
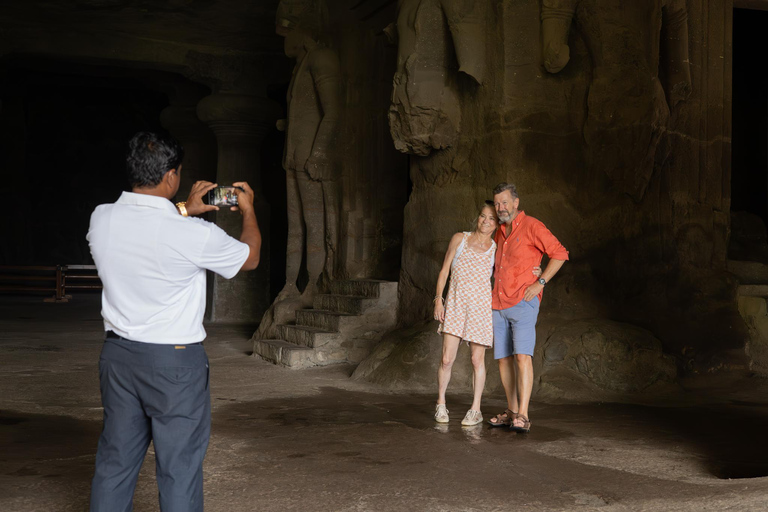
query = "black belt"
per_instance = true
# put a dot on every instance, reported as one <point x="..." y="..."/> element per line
<point x="113" y="335"/>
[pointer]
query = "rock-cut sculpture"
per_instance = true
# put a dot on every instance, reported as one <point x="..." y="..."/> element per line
<point x="632" y="90"/>
<point x="435" y="40"/>
<point x="309" y="160"/>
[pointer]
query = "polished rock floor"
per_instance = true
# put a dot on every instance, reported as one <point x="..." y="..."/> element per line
<point x="314" y="440"/>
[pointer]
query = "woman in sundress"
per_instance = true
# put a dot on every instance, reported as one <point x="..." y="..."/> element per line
<point x="466" y="312"/>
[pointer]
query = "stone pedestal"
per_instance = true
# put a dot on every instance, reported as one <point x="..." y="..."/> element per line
<point x="199" y="146"/>
<point x="239" y="123"/>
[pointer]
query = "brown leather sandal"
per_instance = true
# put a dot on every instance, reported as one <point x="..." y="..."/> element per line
<point x="503" y="419"/>
<point x="526" y="425"/>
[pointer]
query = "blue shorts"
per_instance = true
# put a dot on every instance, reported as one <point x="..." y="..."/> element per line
<point x="514" y="329"/>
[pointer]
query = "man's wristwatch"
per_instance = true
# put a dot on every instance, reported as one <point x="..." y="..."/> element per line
<point x="182" y="207"/>
<point x="542" y="281"/>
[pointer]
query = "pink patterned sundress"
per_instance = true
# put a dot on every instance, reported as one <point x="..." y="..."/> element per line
<point x="468" y="310"/>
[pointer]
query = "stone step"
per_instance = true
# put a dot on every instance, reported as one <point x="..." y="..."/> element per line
<point x="749" y="272"/>
<point x="305" y="336"/>
<point x="753" y="290"/>
<point x="350" y="304"/>
<point x="370" y="288"/>
<point x="342" y="328"/>
<point x="332" y="321"/>
<point x="284" y="353"/>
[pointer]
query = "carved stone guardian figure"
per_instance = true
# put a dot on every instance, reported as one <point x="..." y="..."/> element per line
<point x="309" y="157"/>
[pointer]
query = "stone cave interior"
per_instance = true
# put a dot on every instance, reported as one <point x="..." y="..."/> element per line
<point x="371" y="132"/>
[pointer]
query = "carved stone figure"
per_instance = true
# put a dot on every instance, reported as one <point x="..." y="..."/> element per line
<point x="628" y="106"/>
<point x="433" y="36"/>
<point x="313" y="117"/>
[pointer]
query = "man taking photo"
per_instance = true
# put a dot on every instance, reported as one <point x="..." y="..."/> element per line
<point x="153" y="369"/>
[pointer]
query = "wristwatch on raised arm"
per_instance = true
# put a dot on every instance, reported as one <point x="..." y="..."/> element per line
<point x="182" y="207"/>
<point x="542" y="281"/>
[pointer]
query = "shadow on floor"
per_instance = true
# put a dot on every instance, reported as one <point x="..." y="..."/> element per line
<point x="345" y="432"/>
<point x="58" y="451"/>
<point x="727" y="439"/>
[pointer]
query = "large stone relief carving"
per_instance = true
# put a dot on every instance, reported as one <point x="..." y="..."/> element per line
<point x="435" y="38"/>
<point x="629" y="102"/>
<point x="314" y="106"/>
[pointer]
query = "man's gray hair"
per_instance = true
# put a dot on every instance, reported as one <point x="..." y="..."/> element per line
<point x="501" y="187"/>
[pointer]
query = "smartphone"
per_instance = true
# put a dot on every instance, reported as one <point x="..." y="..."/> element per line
<point x="223" y="196"/>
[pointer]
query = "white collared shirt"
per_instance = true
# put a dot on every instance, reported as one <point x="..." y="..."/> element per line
<point x="152" y="263"/>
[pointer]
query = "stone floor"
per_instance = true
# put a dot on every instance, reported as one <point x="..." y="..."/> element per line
<point x="312" y="440"/>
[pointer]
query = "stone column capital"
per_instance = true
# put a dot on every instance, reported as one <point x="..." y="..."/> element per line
<point x="228" y="113"/>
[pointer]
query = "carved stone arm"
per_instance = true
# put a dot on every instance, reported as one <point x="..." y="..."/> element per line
<point x="556" y="18"/>
<point x="675" y="43"/>
<point x="326" y="75"/>
<point x="467" y="23"/>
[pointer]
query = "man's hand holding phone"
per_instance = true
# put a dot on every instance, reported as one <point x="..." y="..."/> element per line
<point x="245" y="197"/>
<point x="251" y="234"/>
<point x="195" y="204"/>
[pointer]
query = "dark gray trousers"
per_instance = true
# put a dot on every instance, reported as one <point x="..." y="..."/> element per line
<point x="158" y="393"/>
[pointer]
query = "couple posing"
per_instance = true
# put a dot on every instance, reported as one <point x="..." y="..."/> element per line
<point x="507" y="313"/>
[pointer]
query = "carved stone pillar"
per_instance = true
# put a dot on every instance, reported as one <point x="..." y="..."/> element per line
<point x="199" y="145"/>
<point x="239" y="123"/>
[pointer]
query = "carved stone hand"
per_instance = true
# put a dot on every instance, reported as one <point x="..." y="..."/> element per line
<point x="556" y="56"/>
<point x="316" y="167"/>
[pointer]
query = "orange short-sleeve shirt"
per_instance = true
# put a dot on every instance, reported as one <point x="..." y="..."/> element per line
<point x="520" y="247"/>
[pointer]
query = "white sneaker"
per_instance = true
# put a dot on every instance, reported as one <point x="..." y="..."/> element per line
<point x="472" y="418"/>
<point x="441" y="413"/>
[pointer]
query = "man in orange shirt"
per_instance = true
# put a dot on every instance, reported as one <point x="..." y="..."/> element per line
<point x="521" y="242"/>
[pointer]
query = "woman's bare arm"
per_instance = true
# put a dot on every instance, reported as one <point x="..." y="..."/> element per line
<point x="442" y="278"/>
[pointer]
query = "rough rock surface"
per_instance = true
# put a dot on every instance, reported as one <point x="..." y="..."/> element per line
<point x="647" y="247"/>
<point x="583" y="360"/>
<point x="602" y="355"/>
<point x="436" y="40"/>
<point x="408" y="358"/>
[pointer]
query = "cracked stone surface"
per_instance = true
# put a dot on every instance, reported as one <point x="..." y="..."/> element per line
<point x="292" y="440"/>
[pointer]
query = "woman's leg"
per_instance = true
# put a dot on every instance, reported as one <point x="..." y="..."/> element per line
<point x="478" y="365"/>
<point x="450" y="347"/>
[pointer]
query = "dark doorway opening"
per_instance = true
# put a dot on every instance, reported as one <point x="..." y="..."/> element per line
<point x="749" y="176"/>
<point x="62" y="150"/>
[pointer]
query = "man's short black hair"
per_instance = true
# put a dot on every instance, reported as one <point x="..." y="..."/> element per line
<point x="150" y="156"/>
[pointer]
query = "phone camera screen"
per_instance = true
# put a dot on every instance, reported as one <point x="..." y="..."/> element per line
<point x="222" y="196"/>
